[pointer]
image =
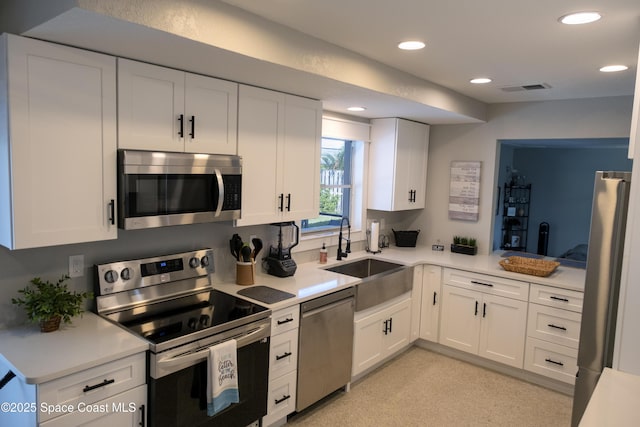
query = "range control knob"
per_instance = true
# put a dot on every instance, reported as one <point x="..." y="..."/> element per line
<point x="194" y="262"/>
<point x="204" y="261"/>
<point x="111" y="276"/>
<point x="192" y="323"/>
<point x="204" y="320"/>
<point x="125" y="274"/>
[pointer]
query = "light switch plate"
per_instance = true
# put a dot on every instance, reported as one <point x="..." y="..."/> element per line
<point x="76" y="265"/>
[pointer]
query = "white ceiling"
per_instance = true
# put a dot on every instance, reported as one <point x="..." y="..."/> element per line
<point x="515" y="42"/>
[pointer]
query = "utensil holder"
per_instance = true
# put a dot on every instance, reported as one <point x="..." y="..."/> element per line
<point x="245" y="273"/>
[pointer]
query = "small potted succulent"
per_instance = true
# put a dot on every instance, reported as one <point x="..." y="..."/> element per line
<point x="464" y="245"/>
<point x="49" y="303"/>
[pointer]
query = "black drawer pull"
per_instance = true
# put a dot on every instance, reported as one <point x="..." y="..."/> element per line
<point x="142" y="416"/>
<point x="279" y="401"/>
<point x="481" y="283"/>
<point x="282" y="322"/>
<point x="102" y="384"/>
<point x="551" y="325"/>
<point x="287" y="354"/>
<point x="435" y="299"/>
<point x="554" y="362"/>
<point x="559" y="299"/>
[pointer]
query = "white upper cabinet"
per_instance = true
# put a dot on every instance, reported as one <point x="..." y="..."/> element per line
<point x="398" y="164"/>
<point x="170" y="110"/>
<point x="57" y="144"/>
<point x="279" y="141"/>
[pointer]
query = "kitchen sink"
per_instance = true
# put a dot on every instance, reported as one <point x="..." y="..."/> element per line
<point x="381" y="280"/>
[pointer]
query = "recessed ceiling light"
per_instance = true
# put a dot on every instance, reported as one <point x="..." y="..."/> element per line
<point x="613" y="68"/>
<point x="580" y="18"/>
<point x="356" y="108"/>
<point x="411" y="45"/>
<point x="480" y="80"/>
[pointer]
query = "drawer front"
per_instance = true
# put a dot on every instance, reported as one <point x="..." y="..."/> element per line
<point x="281" y="398"/>
<point x="93" y="384"/>
<point x="556" y="297"/>
<point x="554" y="325"/>
<point x="283" y="354"/>
<point x="285" y="319"/>
<point x="551" y="360"/>
<point x="494" y="285"/>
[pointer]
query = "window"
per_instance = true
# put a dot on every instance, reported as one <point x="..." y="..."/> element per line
<point x="335" y="185"/>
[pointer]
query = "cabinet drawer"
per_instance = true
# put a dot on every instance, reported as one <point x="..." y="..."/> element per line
<point x="551" y="360"/>
<point x="283" y="354"/>
<point x="556" y="297"/>
<point x="281" y="400"/>
<point x="285" y="319"/>
<point x="93" y="384"/>
<point x="554" y="325"/>
<point x="488" y="284"/>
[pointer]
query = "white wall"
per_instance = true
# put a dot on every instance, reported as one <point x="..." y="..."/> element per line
<point x="583" y="118"/>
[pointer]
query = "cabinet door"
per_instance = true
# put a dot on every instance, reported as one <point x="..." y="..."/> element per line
<point x="398" y="327"/>
<point x="150" y="104"/>
<point x="260" y="132"/>
<point x="61" y="157"/>
<point x="211" y="115"/>
<point x="503" y="331"/>
<point x="122" y="410"/>
<point x="301" y="158"/>
<point x="460" y="321"/>
<point x="368" y="342"/>
<point x="411" y="165"/>
<point x="431" y="300"/>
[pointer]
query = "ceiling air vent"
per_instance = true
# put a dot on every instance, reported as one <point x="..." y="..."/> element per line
<point x="536" y="86"/>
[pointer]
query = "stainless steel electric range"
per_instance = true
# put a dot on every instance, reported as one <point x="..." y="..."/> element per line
<point x="170" y="301"/>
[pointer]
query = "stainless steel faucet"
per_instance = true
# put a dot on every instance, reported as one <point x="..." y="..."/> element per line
<point x="347" y="249"/>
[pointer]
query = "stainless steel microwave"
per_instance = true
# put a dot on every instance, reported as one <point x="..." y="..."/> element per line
<point x="157" y="189"/>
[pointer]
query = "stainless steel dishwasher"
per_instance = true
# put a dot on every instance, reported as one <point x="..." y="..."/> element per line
<point x="325" y="346"/>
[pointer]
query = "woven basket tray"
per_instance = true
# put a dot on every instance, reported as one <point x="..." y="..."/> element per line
<point x="534" y="267"/>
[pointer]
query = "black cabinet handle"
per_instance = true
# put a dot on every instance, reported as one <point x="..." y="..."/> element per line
<point x="558" y="298"/>
<point x="482" y="283"/>
<point x="193" y="127"/>
<point x="289" y="202"/>
<point x="142" y="416"/>
<point x="181" y="130"/>
<point x="391" y="325"/>
<point x="279" y="401"/>
<point x="8" y="377"/>
<point x="102" y="384"/>
<point x="551" y="325"/>
<point x="484" y="309"/>
<point x="286" y="354"/>
<point x="476" y="313"/>
<point x="112" y="212"/>
<point x="435" y="298"/>
<point x="386" y="327"/>
<point x="281" y="198"/>
<point x="282" y="322"/>
<point x="554" y="362"/>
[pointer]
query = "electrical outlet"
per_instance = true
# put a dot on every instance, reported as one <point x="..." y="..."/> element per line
<point x="76" y="265"/>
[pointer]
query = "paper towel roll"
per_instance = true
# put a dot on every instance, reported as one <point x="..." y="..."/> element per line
<point x="374" y="237"/>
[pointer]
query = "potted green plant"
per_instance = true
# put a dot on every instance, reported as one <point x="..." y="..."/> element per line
<point x="49" y="303"/>
<point x="464" y="245"/>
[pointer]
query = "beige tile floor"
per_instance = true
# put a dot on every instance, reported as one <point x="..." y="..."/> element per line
<point x="422" y="388"/>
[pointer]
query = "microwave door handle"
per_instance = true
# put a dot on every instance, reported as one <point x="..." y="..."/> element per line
<point x="220" y="192"/>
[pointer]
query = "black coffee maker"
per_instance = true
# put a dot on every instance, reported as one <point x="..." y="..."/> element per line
<point x="285" y="237"/>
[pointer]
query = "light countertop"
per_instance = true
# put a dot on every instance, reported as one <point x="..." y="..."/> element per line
<point x="311" y="280"/>
<point x="614" y="401"/>
<point x="88" y="341"/>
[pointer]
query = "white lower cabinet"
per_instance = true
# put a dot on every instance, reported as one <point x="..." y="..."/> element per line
<point x="283" y="365"/>
<point x="431" y="301"/>
<point x="380" y="331"/>
<point x="553" y="332"/>
<point x="490" y="326"/>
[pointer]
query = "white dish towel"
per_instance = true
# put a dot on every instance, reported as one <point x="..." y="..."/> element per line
<point x="222" y="378"/>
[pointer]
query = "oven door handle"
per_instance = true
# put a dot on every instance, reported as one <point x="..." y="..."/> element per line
<point x="201" y="354"/>
<point x="220" y="191"/>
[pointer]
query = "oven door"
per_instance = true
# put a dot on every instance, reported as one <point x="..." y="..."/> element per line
<point x="178" y="399"/>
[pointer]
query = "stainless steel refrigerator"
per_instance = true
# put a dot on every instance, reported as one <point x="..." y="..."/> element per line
<point x="602" y="284"/>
